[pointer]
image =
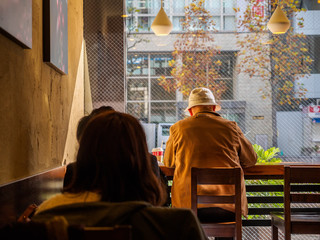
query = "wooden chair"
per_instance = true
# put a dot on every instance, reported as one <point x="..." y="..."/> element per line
<point x="218" y="176"/>
<point x="295" y="222"/>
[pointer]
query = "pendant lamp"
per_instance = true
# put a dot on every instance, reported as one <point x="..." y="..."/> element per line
<point x="161" y="25"/>
<point x="278" y="23"/>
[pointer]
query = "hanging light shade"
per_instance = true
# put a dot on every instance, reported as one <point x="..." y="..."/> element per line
<point x="278" y="23"/>
<point x="161" y="25"/>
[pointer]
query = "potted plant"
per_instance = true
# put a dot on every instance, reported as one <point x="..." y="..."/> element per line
<point x="267" y="156"/>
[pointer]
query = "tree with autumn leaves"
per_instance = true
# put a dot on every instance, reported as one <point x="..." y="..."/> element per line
<point x="193" y="63"/>
<point x="277" y="59"/>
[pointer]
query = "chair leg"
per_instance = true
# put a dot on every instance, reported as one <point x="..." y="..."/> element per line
<point x="287" y="235"/>
<point x="274" y="233"/>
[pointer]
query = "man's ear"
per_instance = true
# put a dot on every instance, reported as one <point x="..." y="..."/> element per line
<point x="190" y="111"/>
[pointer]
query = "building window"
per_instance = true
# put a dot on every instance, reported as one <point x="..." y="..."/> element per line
<point x="163" y="112"/>
<point x="314" y="49"/>
<point x="159" y="65"/>
<point x="158" y="93"/>
<point x="137" y="89"/>
<point x="137" y="65"/>
<point x="225" y="70"/>
<point x="146" y="99"/>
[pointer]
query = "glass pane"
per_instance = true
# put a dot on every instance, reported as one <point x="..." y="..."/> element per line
<point x="225" y="64"/>
<point x="139" y="110"/>
<point x="129" y="3"/>
<point x="130" y="23"/>
<point x="158" y="92"/>
<point x="178" y="6"/>
<point x="316" y="54"/>
<point x="313" y="45"/>
<point x="159" y="65"/>
<point x="239" y="118"/>
<point x="166" y="6"/>
<point x="144" y="24"/>
<point x="228" y="94"/>
<point x="176" y="22"/>
<point x="137" y="89"/>
<point x="228" y="6"/>
<point x="213" y="6"/>
<point x="154" y="6"/>
<point x="229" y="23"/>
<point x="217" y="21"/>
<point x="163" y="112"/>
<point x="143" y="6"/>
<point x="137" y="65"/>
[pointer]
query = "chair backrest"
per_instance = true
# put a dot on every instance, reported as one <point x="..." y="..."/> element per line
<point x="293" y="193"/>
<point x="217" y="176"/>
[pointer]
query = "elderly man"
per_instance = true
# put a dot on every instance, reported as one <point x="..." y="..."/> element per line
<point x="205" y="140"/>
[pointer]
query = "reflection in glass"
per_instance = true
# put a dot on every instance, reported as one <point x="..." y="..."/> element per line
<point x="159" y="65"/>
<point x="144" y="23"/>
<point x="163" y="112"/>
<point x="137" y="65"/>
<point x="158" y="93"/>
<point x="137" y="89"/>
<point x="139" y="110"/>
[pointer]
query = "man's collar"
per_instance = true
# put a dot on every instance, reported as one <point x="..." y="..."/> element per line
<point x="206" y="112"/>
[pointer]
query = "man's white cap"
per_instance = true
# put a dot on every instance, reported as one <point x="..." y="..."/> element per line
<point x="202" y="96"/>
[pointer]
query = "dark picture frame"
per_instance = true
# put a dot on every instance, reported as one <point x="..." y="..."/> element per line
<point x="55" y="34"/>
<point x="16" y="21"/>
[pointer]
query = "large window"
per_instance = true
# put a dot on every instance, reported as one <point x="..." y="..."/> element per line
<point x="145" y="11"/>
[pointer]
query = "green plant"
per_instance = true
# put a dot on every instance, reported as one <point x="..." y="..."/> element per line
<point x="266" y="156"/>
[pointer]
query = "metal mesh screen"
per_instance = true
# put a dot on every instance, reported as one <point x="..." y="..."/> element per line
<point x="104" y="36"/>
<point x="269" y="84"/>
<point x="266" y="83"/>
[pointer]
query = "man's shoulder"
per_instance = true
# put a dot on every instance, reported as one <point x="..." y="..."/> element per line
<point x="181" y="122"/>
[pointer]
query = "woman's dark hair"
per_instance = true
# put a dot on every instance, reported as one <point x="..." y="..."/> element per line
<point x="84" y="120"/>
<point x="101" y="109"/>
<point x="81" y="125"/>
<point x="113" y="159"/>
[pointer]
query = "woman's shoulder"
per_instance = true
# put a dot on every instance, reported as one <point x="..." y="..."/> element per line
<point x="51" y="202"/>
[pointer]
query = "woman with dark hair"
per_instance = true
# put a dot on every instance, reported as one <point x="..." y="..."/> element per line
<point x="114" y="185"/>
<point x="80" y="129"/>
